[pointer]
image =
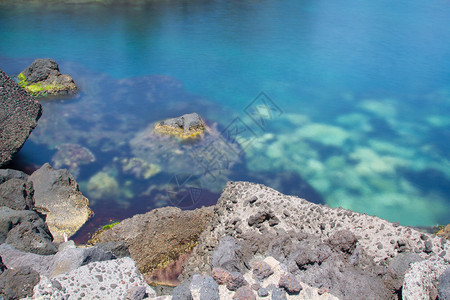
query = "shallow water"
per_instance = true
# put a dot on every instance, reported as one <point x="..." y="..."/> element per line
<point x="341" y="103"/>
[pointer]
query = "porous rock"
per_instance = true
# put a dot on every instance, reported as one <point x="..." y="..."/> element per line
<point x="56" y="194"/>
<point x="444" y="285"/>
<point x="19" y="114"/>
<point x="421" y="281"/>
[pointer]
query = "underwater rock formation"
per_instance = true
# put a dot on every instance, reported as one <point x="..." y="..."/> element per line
<point x="19" y="114"/>
<point x="43" y="78"/>
<point x="71" y="156"/>
<point x="188" y="126"/>
<point x="56" y="194"/>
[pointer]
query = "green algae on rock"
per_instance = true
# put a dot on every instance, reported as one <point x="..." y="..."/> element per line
<point x="43" y="78"/>
<point x="187" y="127"/>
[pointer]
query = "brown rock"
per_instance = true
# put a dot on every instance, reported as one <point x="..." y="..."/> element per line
<point x="159" y="237"/>
<point x="220" y="275"/>
<point x="290" y="283"/>
<point x="444" y="232"/>
<point x="244" y="293"/>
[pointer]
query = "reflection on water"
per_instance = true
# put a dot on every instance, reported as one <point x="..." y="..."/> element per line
<point x="356" y="114"/>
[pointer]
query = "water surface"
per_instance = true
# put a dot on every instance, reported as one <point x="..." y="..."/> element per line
<point x="345" y="103"/>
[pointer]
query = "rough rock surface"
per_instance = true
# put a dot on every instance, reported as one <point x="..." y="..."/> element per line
<point x="18" y="283"/>
<point x="158" y="237"/>
<point x="66" y="260"/>
<point x="43" y="78"/>
<point x="26" y="231"/>
<point x="421" y="281"/>
<point x="444" y="285"/>
<point x="185" y="127"/>
<point x="19" y="114"/>
<point x="329" y="249"/>
<point x="112" y="279"/>
<point x="56" y="194"/>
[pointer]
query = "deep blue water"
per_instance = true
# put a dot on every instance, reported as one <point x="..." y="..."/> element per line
<point x="355" y="104"/>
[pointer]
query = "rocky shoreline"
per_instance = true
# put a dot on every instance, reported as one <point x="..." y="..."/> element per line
<point x="255" y="243"/>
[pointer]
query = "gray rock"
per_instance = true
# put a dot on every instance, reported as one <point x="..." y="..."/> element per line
<point x="209" y="289"/>
<point x="40" y="70"/>
<point x="7" y="174"/>
<point x="422" y="279"/>
<point x="19" y="114"/>
<point x="18" y="283"/>
<point x="444" y="285"/>
<point x="187" y="122"/>
<point x="136" y="293"/>
<point x="26" y="231"/>
<point x="402" y="262"/>
<point x="17" y="194"/>
<point x="344" y="241"/>
<point x="227" y="255"/>
<point x="102" y="280"/>
<point x="14" y="258"/>
<point x="182" y="291"/>
<point x="263" y="292"/>
<point x="73" y="258"/>
<point x="262" y="270"/>
<point x="235" y="280"/>
<point x="57" y="195"/>
<point x="119" y="248"/>
<point x="278" y="294"/>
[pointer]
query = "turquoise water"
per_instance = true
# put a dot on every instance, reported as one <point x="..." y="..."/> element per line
<point x="355" y="104"/>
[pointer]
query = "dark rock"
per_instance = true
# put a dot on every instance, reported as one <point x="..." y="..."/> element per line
<point x="244" y="293"/>
<point x="26" y="231"/>
<point x="182" y="291"/>
<point x="186" y="126"/>
<point x="444" y="285"/>
<point x="209" y="289"/>
<point x="262" y="270"/>
<point x="57" y="195"/>
<point x="17" y="194"/>
<point x="278" y="294"/>
<point x="119" y="249"/>
<point x="228" y="255"/>
<point x="18" y="283"/>
<point x="290" y="283"/>
<point x="261" y="217"/>
<point x="19" y="114"/>
<point x="43" y="78"/>
<point x="2" y="266"/>
<point x="235" y="280"/>
<point x="220" y="275"/>
<point x="343" y="241"/>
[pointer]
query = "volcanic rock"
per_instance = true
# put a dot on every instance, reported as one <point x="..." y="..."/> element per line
<point x="19" y="114"/>
<point x="57" y="195"/>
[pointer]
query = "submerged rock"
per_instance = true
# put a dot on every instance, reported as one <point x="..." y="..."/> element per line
<point x="19" y="114"/>
<point x="188" y="126"/>
<point x="71" y="156"/>
<point x="139" y="168"/>
<point x="43" y="78"/>
<point x="57" y="195"/>
<point x="103" y="185"/>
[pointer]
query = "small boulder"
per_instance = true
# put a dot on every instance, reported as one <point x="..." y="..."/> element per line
<point x="57" y="195"/>
<point x="17" y="194"/>
<point x="244" y="293"/>
<point x="19" y="114"/>
<point x="18" y="283"/>
<point x="43" y="78"/>
<point x="26" y="231"/>
<point x="188" y="126"/>
<point x="290" y="283"/>
<point x="227" y="255"/>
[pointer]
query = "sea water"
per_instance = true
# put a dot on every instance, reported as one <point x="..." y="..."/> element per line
<point x="340" y="102"/>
